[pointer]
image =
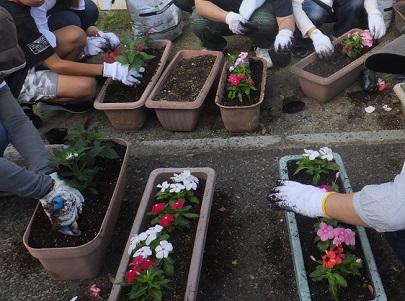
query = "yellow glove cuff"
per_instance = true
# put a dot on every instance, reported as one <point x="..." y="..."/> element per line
<point x="324" y="203"/>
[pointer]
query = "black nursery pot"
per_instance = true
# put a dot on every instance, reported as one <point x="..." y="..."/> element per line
<point x="280" y="59"/>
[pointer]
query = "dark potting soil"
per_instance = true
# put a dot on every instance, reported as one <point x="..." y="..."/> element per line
<point x="359" y="287"/>
<point x="118" y="92"/>
<point x="326" y="67"/>
<point x="256" y="68"/>
<point x="183" y="243"/>
<point x="94" y="209"/>
<point x="187" y="79"/>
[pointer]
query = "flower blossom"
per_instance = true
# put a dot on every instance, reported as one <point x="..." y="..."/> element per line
<point x="70" y="156"/>
<point x="138" y="47"/>
<point x="166" y="220"/>
<point x="338" y="249"/>
<point x="234" y="80"/>
<point x="188" y="180"/>
<point x="178" y="205"/>
<point x="324" y="187"/>
<point x="157" y="208"/>
<point x="94" y="291"/>
<point x="311" y="154"/>
<point x="144" y="252"/>
<point x="326" y="153"/>
<point x="163" y="186"/>
<point x="325" y="231"/>
<point x="329" y="260"/>
<point x="347" y="48"/>
<point x="176" y="187"/>
<point x="367" y="39"/>
<point x="163" y="249"/>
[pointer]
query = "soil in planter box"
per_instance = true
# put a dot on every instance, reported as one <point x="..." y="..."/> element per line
<point x="358" y="286"/>
<point x="325" y="68"/>
<point x="118" y="92"/>
<point x="183" y="243"/>
<point x="94" y="209"/>
<point x="256" y="68"/>
<point x="187" y="79"/>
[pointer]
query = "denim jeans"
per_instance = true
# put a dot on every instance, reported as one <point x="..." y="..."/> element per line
<point x="400" y="78"/>
<point x="3" y="139"/>
<point x="345" y="14"/>
<point x="64" y="18"/>
<point x="396" y="240"/>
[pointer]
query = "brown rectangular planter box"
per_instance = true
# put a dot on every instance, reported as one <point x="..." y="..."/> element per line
<point x="85" y="261"/>
<point x="399" y="17"/>
<point x="140" y="224"/>
<point x="240" y="119"/>
<point x="132" y="115"/>
<point x="179" y="115"/>
<point x="323" y="89"/>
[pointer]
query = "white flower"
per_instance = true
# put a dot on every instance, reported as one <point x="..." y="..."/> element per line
<point x="162" y="250"/>
<point x="326" y="153"/>
<point x="180" y="178"/>
<point x="151" y="234"/>
<point x="369" y="109"/>
<point x="386" y="108"/>
<point x="176" y="187"/>
<point x="163" y="186"/>
<point x="311" y="154"/>
<point x="188" y="180"/>
<point x="133" y="242"/>
<point x="157" y="228"/>
<point x="71" y="156"/>
<point x="144" y="252"/>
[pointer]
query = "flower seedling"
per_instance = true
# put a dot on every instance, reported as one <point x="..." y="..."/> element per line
<point x="316" y="163"/>
<point x="337" y="263"/>
<point x="239" y="83"/>
<point x="353" y="45"/>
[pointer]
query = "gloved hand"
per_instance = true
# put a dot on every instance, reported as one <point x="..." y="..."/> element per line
<point x="95" y="45"/>
<point x="377" y="26"/>
<point x="247" y="7"/>
<point x="120" y="72"/>
<point x="303" y="199"/>
<point x="112" y="39"/>
<point x="284" y="40"/>
<point x="62" y="205"/>
<point x="235" y="22"/>
<point x="322" y="44"/>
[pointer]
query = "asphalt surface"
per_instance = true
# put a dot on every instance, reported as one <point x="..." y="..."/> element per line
<point x="246" y="168"/>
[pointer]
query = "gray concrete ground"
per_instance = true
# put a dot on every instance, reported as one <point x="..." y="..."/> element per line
<point x="246" y="166"/>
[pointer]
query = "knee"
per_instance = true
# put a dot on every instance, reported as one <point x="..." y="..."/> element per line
<point x="89" y="88"/>
<point x="75" y="36"/>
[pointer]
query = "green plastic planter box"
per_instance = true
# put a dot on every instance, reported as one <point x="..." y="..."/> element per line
<point x="300" y="273"/>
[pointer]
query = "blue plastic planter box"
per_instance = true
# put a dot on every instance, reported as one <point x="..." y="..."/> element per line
<point x="300" y="273"/>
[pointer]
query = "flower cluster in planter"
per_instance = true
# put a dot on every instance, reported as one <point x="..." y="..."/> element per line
<point x="151" y="268"/>
<point x="239" y="83"/>
<point x="332" y="239"/>
<point x="77" y="160"/>
<point x="134" y="54"/>
<point x="353" y="45"/>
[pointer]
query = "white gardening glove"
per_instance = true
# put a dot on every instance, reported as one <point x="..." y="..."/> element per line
<point x="235" y="22"/>
<point x="322" y="44"/>
<point x="62" y="206"/>
<point x="284" y="40"/>
<point x="120" y="72"/>
<point x="377" y="26"/>
<point x="247" y="7"/>
<point x="113" y="40"/>
<point x="95" y="45"/>
<point x="293" y="196"/>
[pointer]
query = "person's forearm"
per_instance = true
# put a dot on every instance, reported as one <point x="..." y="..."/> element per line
<point x="210" y="11"/>
<point x="60" y="66"/>
<point x="287" y="22"/>
<point x="340" y="206"/>
<point x="371" y="7"/>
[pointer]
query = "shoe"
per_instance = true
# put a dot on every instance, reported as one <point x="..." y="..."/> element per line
<point x="299" y="52"/>
<point x="35" y="119"/>
<point x="264" y="54"/>
<point x="75" y="108"/>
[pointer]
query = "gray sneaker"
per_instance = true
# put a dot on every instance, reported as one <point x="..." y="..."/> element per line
<point x="264" y="54"/>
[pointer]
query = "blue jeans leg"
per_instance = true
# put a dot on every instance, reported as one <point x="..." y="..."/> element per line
<point x="3" y="139"/>
<point x="396" y="240"/>
<point x="65" y="18"/>
<point x="400" y="78"/>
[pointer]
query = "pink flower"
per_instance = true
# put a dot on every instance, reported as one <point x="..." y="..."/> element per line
<point x="166" y="220"/>
<point x="158" y="207"/>
<point x="243" y="55"/>
<point x="138" y="47"/>
<point x="324" y="187"/>
<point x="178" y="205"/>
<point x="325" y="231"/>
<point x="367" y="39"/>
<point x="94" y="291"/>
<point x="241" y="76"/>
<point x="234" y="80"/>
<point x="251" y="81"/>
<point x="350" y="237"/>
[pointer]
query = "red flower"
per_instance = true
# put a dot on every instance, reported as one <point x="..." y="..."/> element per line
<point x="131" y="274"/>
<point x="166" y="220"/>
<point x="329" y="260"/>
<point x="242" y="76"/>
<point x="138" y="47"/>
<point x="347" y="48"/>
<point x="137" y="261"/>
<point x="110" y="57"/>
<point x="178" y="205"/>
<point x="158" y="207"/>
<point x="338" y="250"/>
<point x="147" y="263"/>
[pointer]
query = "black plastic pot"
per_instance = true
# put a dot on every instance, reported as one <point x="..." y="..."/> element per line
<point x="280" y="59"/>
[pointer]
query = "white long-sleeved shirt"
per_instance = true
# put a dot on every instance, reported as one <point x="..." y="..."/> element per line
<point x="304" y="23"/>
<point x="41" y="19"/>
